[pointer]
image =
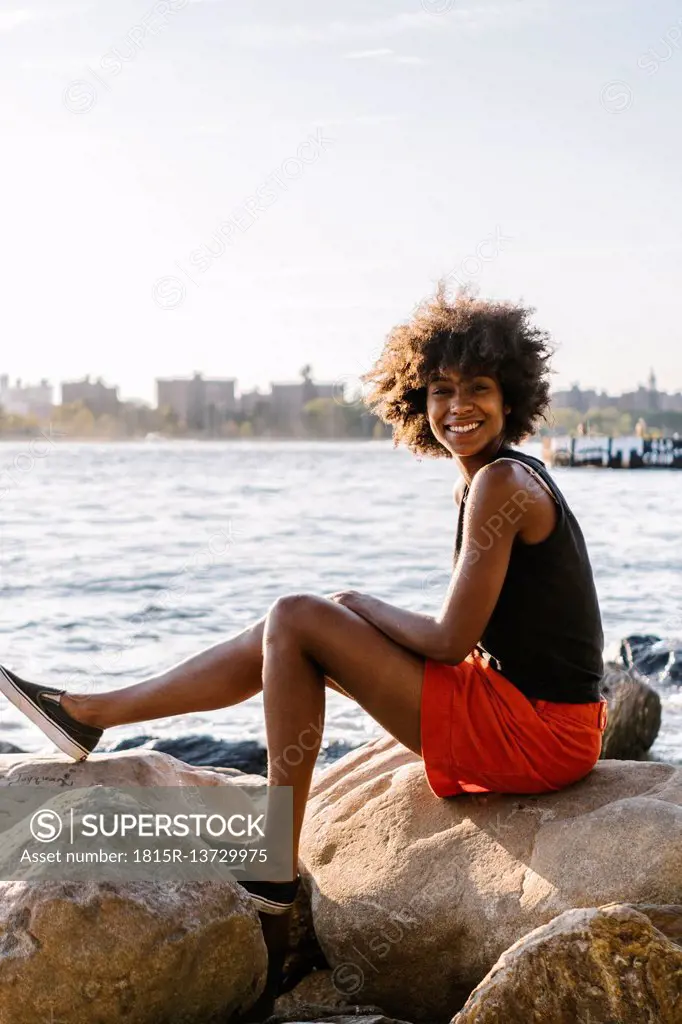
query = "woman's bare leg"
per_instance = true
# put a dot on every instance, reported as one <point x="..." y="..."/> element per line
<point x="218" y="677"/>
<point x="302" y="644"/>
<point x="307" y="638"/>
<point x="225" y="674"/>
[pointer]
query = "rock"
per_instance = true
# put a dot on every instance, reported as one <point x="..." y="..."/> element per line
<point x="304" y="954"/>
<point x="356" y="1015"/>
<point x="127" y="768"/>
<point x="335" y="749"/>
<point x="415" y="898"/>
<point x="124" y="952"/>
<point x="654" y="657"/>
<point x="133" y="953"/>
<point x="634" y="713"/>
<point x="9" y="748"/>
<point x="668" y="919"/>
<point x="316" y="989"/>
<point x="245" y="755"/>
<point x="597" y="965"/>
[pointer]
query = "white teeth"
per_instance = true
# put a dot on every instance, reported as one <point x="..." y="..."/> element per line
<point x="464" y="430"/>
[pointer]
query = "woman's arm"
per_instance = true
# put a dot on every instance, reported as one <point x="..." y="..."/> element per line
<point x="419" y="633"/>
<point x="492" y="519"/>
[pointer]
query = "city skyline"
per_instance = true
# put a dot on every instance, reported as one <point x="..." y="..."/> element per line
<point x="246" y="191"/>
<point x="345" y="384"/>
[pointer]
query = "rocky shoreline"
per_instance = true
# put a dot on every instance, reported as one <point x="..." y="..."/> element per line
<point x="488" y="909"/>
<point x="473" y="910"/>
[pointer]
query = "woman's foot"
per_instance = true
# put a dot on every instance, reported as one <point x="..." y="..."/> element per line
<point x="42" y="705"/>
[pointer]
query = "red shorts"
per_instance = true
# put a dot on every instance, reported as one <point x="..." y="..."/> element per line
<point x="480" y="734"/>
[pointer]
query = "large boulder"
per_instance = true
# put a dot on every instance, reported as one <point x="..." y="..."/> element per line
<point x="130" y="953"/>
<point x="634" y="713"/>
<point x="597" y="965"/>
<point x="124" y="952"/>
<point x="414" y="898"/>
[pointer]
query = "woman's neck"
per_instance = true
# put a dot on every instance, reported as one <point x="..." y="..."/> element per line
<point x="470" y="465"/>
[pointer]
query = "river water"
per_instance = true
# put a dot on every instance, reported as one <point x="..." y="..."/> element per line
<point x="117" y="560"/>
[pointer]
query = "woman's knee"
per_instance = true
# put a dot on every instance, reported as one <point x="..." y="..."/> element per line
<point x="292" y="611"/>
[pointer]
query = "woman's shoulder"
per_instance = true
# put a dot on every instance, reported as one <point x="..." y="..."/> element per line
<point x="538" y="504"/>
<point x="536" y="469"/>
<point x="497" y="485"/>
<point x="502" y="473"/>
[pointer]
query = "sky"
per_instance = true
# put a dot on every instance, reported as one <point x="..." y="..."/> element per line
<point x="241" y="189"/>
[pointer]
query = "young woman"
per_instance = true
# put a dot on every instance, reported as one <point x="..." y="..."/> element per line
<point x="497" y="692"/>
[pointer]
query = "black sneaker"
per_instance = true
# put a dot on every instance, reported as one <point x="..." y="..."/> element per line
<point x="272" y="897"/>
<point x="42" y="705"/>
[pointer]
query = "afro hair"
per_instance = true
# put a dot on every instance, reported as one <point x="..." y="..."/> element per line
<point x="474" y="337"/>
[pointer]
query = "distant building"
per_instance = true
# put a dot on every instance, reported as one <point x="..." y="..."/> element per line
<point x="327" y="391"/>
<point x="198" y="402"/>
<point x="251" y="403"/>
<point x="575" y="398"/>
<point x="219" y="398"/>
<point x="174" y="395"/>
<point x="644" y="399"/>
<point x="287" y="401"/>
<point x="94" y="394"/>
<point x="571" y="399"/>
<point x="26" y="399"/>
<point x="636" y="401"/>
<point x="670" y="403"/>
<point x="286" y="405"/>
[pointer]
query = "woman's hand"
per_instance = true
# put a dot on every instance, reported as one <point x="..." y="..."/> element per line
<point x="348" y="598"/>
<point x="413" y="630"/>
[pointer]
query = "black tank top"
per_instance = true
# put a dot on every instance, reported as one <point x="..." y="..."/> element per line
<point x="545" y="632"/>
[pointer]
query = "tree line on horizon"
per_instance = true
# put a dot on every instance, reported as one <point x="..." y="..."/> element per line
<point x="321" y="419"/>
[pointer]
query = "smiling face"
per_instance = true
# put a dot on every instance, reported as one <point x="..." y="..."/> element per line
<point x="466" y="414"/>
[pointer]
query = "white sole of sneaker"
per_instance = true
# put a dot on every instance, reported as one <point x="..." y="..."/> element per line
<point x="264" y="906"/>
<point x="53" y="731"/>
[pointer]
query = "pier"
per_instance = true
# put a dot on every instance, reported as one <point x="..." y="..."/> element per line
<point x="626" y="452"/>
